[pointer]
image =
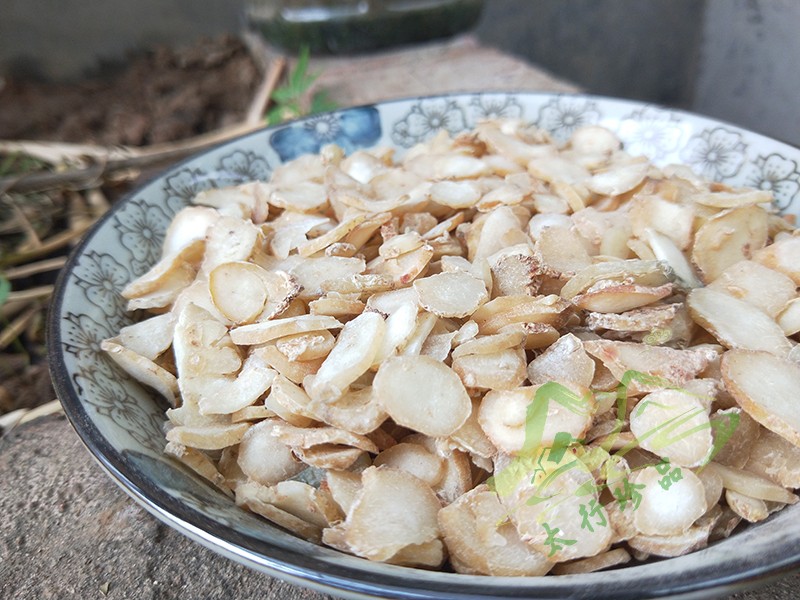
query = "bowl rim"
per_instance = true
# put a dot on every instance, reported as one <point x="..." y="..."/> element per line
<point x="303" y="569"/>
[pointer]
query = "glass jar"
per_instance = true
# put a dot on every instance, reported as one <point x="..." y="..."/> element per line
<point x="350" y="26"/>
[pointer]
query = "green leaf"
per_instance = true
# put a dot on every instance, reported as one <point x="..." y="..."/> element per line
<point x="298" y="76"/>
<point x="289" y="98"/>
<point x="282" y="95"/>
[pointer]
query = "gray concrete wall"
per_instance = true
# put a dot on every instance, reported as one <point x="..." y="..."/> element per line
<point x="642" y="49"/>
<point x="749" y="70"/>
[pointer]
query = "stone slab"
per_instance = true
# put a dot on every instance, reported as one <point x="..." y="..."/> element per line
<point x="67" y="531"/>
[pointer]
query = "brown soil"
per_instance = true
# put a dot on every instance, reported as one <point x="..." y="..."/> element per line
<point x="160" y="96"/>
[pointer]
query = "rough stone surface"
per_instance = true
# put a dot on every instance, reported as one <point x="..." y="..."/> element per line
<point x="67" y="531"/>
<point x="460" y="65"/>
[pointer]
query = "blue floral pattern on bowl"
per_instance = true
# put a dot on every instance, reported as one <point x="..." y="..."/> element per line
<point x="122" y="423"/>
<point x="351" y="129"/>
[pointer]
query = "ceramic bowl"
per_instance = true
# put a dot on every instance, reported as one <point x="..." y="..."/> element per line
<point x="121" y="423"/>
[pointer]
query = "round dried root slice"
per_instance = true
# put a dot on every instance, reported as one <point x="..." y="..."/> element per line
<point x="392" y="510"/>
<point x="142" y="369"/>
<point x="555" y="508"/>
<point x="429" y="554"/>
<point x="675" y="425"/>
<point x="199" y="462"/>
<point x="789" y="317"/>
<point x="305" y="502"/>
<point x="752" y="485"/>
<point x="676" y="366"/>
<point x="694" y="538"/>
<point x="414" y="459"/>
<point x="515" y="273"/>
<point x="750" y="509"/>
<point x="313" y="274"/>
<point x="565" y="360"/>
<point x="668" y="511"/>
<point x="712" y="483"/>
<point x="266" y="331"/>
<point x="357" y="411"/>
<point x="306" y="346"/>
<point x="451" y="294"/>
<point x="503" y="370"/>
<point x="226" y="395"/>
<point x="727" y="238"/>
<point x="264" y="458"/>
<point x="238" y="290"/>
<point x="593" y="139"/>
<point x="766" y="387"/>
<point x="354" y="352"/>
<point x="481" y="541"/>
<point x="649" y="273"/>
<point x="422" y="393"/>
<point x="212" y="437"/>
<point x="605" y="560"/>
<point x="563" y="250"/>
<point x="471" y="438"/>
<point x="307" y="437"/>
<point x="746" y="432"/>
<point x="774" y="458"/>
<point x="619" y="178"/>
<point x="489" y="344"/>
<point x="329" y="456"/>
<point x="230" y="239"/>
<point x="508" y="310"/>
<point x="290" y="403"/>
<point x="301" y="196"/>
<point x="754" y="283"/>
<point x="611" y="297"/>
<point x="151" y="337"/>
<point x="503" y="415"/>
<point x="783" y="256"/>
<point x="389" y="302"/>
<point x="189" y="225"/>
<point x="457" y="478"/>
<point x="163" y="282"/>
<point x="258" y="498"/>
<point x="400" y="325"/>
<point x="343" y="487"/>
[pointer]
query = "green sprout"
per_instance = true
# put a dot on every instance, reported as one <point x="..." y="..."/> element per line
<point x="291" y="99"/>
